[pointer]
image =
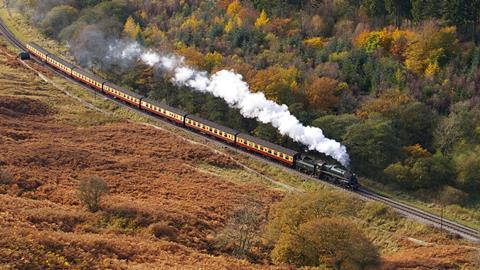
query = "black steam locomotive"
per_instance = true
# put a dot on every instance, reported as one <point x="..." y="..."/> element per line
<point x="329" y="172"/>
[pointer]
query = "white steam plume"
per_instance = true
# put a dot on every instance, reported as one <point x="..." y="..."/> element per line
<point x="231" y="87"/>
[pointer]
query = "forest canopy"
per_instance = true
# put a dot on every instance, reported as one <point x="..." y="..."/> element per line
<point x="397" y="82"/>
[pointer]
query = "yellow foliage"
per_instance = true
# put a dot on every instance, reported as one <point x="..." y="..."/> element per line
<point x="338" y="56"/>
<point x="179" y="45"/>
<point x="386" y="38"/>
<point x="234" y="8"/>
<point x="421" y="52"/>
<point x="262" y="19"/>
<point x="426" y="50"/>
<point x="431" y="70"/>
<point x="131" y="28"/>
<point x="416" y="151"/>
<point x="191" y="22"/>
<point x="229" y="26"/>
<point x="212" y="60"/>
<point x="391" y="40"/>
<point x="315" y="42"/>
<point x="274" y="80"/>
<point x="143" y="15"/>
<point x="361" y="40"/>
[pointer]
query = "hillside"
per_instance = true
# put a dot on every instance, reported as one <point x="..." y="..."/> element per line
<point x="153" y="176"/>
<point x="395" y="82"/>
<point x="51" y="140"/>
<point x="403" y="73"/>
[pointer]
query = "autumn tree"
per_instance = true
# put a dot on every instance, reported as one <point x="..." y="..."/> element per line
<point x="262" y="19"/>
<point x="211" y="61"/>
<point x="234" y="8"/>
<point x="192" y="56"/>
<point x="322" y="93"/>
<point x="275" y="81"/>
<point x="296" y="209"/>
<point x="242" y="230"/>
<point x="90" y="192"/>
<point x="384" y="103"/>
<point x="428" y="51"/>
<point x="315" y="42"/>
<point x="154" y="36"/>
<point x="332" y="242"/>
<point x="132" y="28"/>
<point x="305" y="230"/>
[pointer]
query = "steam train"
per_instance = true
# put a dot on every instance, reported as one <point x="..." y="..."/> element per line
<point x="285" y="156"/>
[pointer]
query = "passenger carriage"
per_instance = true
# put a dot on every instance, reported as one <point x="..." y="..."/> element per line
<point x="268" y="149"/>
<point x="122" y="94"/>
<point x="163" y="110"/>
<point x="60" y="64"/>
<point x="88" y="78"/>
<point x="211" y="128"/>
<point x="38" y="51"/>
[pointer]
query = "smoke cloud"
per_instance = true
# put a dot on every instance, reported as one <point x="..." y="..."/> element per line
<point x="231" y="87"/>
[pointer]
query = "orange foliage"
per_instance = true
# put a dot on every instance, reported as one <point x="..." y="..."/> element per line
<point x="386" y="101"/>
<point x="192" y="56"/>
<point x="321" y="93"/>
<point x="273" y="80"/>
<point x="280" y="25"/>
<point x="416" y="151"/>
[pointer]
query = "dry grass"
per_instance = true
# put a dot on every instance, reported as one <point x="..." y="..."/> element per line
<point x="49" y="141"/>
<point x="160" y="184"/>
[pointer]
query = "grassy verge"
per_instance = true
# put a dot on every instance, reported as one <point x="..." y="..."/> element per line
<point x="467" y="216"/>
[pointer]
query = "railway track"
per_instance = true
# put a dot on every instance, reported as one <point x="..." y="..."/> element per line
<point x="448" y="225"/>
